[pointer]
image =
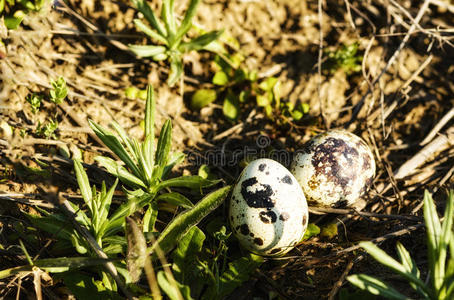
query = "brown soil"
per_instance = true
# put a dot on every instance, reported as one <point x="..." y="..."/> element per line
<point x="86" y="43"/>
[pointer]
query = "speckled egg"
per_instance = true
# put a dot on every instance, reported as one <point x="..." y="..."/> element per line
<point x="334" y="169"/>
<point x="268" y="211"/>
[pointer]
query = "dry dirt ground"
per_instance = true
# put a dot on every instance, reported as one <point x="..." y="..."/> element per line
<point x="403" y="93"/>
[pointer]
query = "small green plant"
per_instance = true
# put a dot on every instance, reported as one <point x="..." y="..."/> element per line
<point x="35" y="101"/>
<point x="345" y="58"/>
<point x="440" y="242"/>
<point x="56" y="95"/>
<point x="47" y="129"/>
<point x="170" y="36"/>
<point x="237" y="87"/>
<point x="16" y="10"/>
<point x="59" y="91"/>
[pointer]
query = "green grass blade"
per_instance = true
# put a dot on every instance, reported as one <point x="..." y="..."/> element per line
<point x="238" y="272"/>
<point x="176" y="229"/>
<point x="125" y="139"/>
<point x="175" y="199"/>
<point x="192" y="182"/>
<point x="61" y="264"/>
<point x="135" y="202"/>
<point x="375" y="286"/>
<point x="169" y="286"/>
<point x="146" y="10"/>
<point x="150" y="109"/>
<point x="115" y="145"/>
<point x="150" y="32"/>
<point x="176" y="70"/>
<point x="119" y="171"/>
<point x="168" y="17"/>
<point x="386" y="260"/>
<point x="433" y="229"/>
<point x="174" y="159"/>
<point x="106" y="200"/>
<point x="164" y="144"/>
<point x="201" y="41"/>
<point x="187" y="20"/>
<point x="147" y="50"/>
<point x="409" y="265"/>
<point x="446" y="235"/>
<point x="84" y="184"/>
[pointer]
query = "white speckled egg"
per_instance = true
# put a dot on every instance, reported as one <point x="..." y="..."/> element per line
<point x="268" y="211"/>
<point x="334" y="169"/>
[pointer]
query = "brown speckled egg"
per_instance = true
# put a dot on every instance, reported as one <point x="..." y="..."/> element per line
<point x="334" y="169"/>
<point x="268" y="211"/>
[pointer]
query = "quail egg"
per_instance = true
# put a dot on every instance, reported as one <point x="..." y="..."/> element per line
<point x="334" y="169"/>
<point x="268" y="211"/>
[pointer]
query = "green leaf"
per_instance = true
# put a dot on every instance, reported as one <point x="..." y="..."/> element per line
<point x="59" y="228"/>
<point x="192" y="182"/>
<point x="150" y="108"/>
<point x="200" y="42"/>
<point x="168" y="17"/>
<point x="268" y="84"/>
<point x="220" y="78"/>
<point x="375" y="286"/>
<point x="146" y="10"/>
<point x="13" y="22"/>
<point x="55" y="265"/>
<point x="83" y="286"/>
<point x="263" y="100"/>
<point x="84" y="184"/>
<point x="164" y="143"/>
<point x="115" y="145"/>
<point x="238" y="272"/>
<point x="104" y="206"/>
<point x="186" y="220"/>
<point x="433" y="228"/>
<point x="119" y="171"/>
<point x="150" y="32"/>
<point x="202" y="98"/>
<point x="169" y="286"/>
<point x="329" y="231"/>
<point x="59" y="90"/>
<point x="175" y="199"/>
<point x="176" y="70"/>
<point x="147" y="50"/>
<point x="231" y="106"/>
<point x="187" y="20"/>
<point x="409" y="265"/>
<point x="386" y="260"/>
<point x="312" y="230"/>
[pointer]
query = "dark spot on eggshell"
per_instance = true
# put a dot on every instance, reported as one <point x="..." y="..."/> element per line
<point x="304" y="221"/>
<point x="284" y="216"/>
<point x="267" y="173"/>
<point x="309" y="147"/>
<point x="366" y="162"/>
<point x="274" y="251"/>
<point x="251" y="234"/>
<point x="244" y="229"/>
<point x="326" y="162"/>
<point x="267" y="217"/>
<point x="262" y="167"/>
<point x="341" y="203"/>
<point x="286" y="179"/>
<point x="258" y="241"/>
<point x="260" y="197"/>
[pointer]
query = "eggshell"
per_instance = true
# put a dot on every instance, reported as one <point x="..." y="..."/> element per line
<point x="268" y="211"/>
<point x="334" y="169"/>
